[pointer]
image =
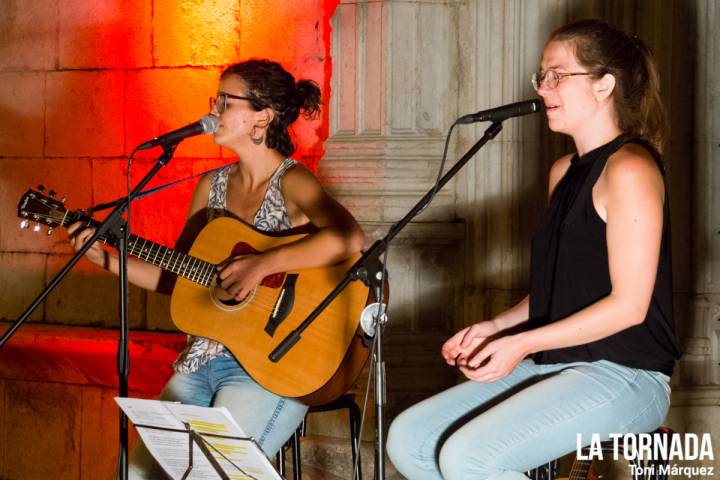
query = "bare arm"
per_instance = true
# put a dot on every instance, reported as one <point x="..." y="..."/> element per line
<point x="337" y="237"/>
<point x="141" y="274"/>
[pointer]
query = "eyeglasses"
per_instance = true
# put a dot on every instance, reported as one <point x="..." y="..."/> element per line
<point x="220" y="103"/>
<point x="551" y="78"/>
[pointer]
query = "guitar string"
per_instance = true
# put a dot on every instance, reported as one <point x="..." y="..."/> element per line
<point x="579" y="470"/>
<point x="264" y="300"/>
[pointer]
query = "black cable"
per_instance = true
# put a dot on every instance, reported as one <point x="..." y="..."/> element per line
<point x="436" y="187"/>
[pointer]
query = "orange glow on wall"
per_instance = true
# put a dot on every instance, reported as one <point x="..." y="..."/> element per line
<point x="118" y="73"/>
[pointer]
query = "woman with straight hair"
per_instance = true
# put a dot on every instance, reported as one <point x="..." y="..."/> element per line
<point x="592" y="347"/>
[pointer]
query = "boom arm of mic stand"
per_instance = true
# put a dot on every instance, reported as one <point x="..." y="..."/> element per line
<point x="368" y="265"/>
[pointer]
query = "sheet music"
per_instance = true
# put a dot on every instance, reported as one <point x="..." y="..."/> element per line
<point x="171" y="449"/>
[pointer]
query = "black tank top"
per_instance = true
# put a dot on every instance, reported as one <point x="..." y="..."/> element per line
<point x="569" y="271"/>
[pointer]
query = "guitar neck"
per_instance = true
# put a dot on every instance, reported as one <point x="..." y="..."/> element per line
<point x="181" y="264"/>
<point x="580" y="470"/>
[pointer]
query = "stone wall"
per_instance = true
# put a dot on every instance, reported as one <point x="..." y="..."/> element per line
<point x="402" y="71"/>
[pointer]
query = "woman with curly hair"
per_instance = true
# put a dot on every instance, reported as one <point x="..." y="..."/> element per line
<point x="256" y="103"/>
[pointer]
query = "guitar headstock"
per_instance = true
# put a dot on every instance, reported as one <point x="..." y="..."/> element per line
<point x="35" y="206"/>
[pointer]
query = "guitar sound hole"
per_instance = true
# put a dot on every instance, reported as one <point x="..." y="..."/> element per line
<point x="231" y="302"/>
<point x="219" y="297"/>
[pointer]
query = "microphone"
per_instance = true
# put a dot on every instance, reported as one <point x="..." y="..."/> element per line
<point x="207" y="124"/>
<point x="499" y="114"/>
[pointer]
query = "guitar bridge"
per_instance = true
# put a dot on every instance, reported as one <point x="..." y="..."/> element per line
<point x="283" y="304"/>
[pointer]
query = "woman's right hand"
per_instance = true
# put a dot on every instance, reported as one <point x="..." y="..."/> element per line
<point x="458" y="348"/>
<point x="78" y="235"/>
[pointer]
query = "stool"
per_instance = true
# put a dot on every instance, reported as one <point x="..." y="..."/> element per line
<point x="344" y="401"/>
<point x="549" y="470"/>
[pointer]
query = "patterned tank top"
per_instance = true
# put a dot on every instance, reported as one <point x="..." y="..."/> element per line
<point x="270" y="217"/>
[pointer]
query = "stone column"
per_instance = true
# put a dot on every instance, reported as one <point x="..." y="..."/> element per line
<point x="696" y="398"/>
<point x="394" y="96"/>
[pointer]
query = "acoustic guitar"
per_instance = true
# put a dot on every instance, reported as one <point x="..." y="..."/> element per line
<point x="321" y="366"/>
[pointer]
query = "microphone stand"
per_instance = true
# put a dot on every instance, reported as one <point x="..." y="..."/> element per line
<point x="370" y="271"/>
<point x="115" y="227"/>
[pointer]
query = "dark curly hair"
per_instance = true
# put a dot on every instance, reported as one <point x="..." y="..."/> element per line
<point x="270" y="85"/>
<point x="603" y="48"/>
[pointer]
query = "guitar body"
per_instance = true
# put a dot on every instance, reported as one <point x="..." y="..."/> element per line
<point x="312" y="367"/>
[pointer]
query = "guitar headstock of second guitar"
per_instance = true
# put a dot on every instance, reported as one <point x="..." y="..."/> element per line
<point x="35" y="206"/>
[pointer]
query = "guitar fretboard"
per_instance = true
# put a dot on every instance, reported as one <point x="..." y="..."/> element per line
<point x="186" y="266"/>
<point x="181" y="264"/>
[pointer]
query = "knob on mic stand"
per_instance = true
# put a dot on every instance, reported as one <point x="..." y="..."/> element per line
<point x="367" y="318"/>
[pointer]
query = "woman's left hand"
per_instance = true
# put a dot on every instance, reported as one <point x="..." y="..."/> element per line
<point x="496" y="360"/>
<point x="240" y="275"/>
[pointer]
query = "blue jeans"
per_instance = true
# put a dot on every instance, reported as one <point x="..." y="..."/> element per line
<point x="498" y="430"/>
<point x="222" y="382"/>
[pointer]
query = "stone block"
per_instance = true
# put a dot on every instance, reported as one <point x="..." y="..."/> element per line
<point x="161" y="100"/>
<point x="66" y="176"/>
<point x="42" y="431"/>
<point x="196" y="32"/>
<point x="84" y="113"/>
<point x="22" y="277"/>
<point x="100" y="433"/>
<point x="88" y="296"/>
<point x="28" y="34"/>
<point x="159" y="217"/>
<point x="331" y="458"/>
<point x="21" y="119"/>
<point x="87" y="356"/>
<point x="110" y="34"/>
<point x="158" y="313"/>
<point x="303" y="23"/>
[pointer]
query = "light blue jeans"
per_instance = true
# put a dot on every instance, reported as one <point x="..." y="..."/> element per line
<point x="222" y="382"/>
<point x="498" y="430"/>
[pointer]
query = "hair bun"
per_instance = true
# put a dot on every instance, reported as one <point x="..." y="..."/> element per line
<point x="308" y="97"/>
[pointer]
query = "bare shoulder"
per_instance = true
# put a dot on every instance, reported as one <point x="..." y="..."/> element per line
<point x="201" y="194"/>
<point x="558" y="170"/>
<point x="205" y="182"/>
<point x="202" y="189"/>
<point x="299" y="180"/>
<point x="298" y="173"/>
<point x="633" y="164"/>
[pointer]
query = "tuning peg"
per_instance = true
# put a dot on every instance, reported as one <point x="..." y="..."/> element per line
<point x="49" y="232"/>
<point x="41" y="188"/>
<point x="52" y="193"/>
<point x="36" y="227"/>
<point x="25" y="223"/>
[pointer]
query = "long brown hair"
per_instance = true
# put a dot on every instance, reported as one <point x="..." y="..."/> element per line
<point x="603" y="48"/>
